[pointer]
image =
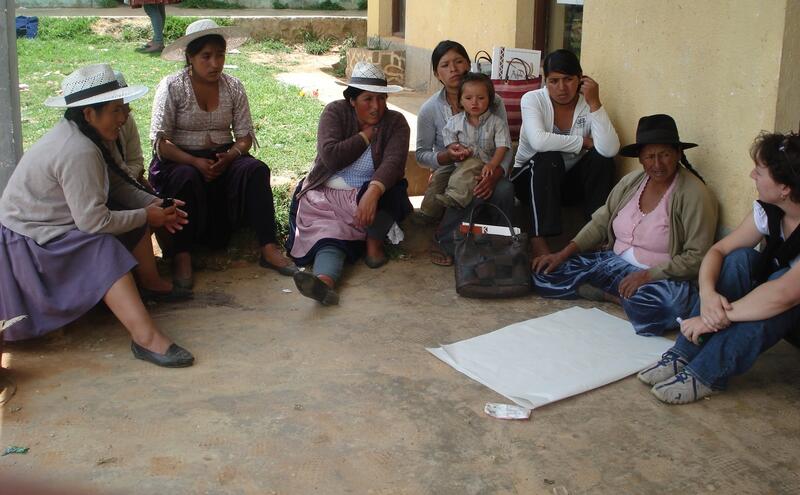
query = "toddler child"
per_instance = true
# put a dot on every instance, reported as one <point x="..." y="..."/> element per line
<point x="483" y="138"/>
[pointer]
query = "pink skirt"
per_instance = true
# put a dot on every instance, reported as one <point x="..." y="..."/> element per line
<point x="325" y="213"/>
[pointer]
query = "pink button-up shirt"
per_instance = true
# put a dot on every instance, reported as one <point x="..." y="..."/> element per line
<point x="642" y="239"/>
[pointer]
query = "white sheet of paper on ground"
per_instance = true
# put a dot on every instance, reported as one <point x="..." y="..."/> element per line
<point x="546" y="359"/>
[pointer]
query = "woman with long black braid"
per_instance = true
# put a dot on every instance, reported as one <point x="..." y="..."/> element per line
<point x="70" y="213"/>
<point x="654" y="229"/>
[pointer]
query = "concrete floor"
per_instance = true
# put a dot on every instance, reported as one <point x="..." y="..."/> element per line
<point x="290" y="397"/>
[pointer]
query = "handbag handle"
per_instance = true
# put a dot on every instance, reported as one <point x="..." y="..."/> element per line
<point x="525" y="65"/>
<point x="478" y="56"/>
<point x="480" y="207"/>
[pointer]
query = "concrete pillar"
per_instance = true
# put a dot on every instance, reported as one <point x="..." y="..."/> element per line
<point x="379" y="18"/>
<point x="10" y="126"/>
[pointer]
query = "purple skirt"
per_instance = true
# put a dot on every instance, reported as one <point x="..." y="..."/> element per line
<point x="58" y="282"/>
<point x="215" y="208"/>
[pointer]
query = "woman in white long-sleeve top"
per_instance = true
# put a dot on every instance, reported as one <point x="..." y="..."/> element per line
<point x="566" y="147"/>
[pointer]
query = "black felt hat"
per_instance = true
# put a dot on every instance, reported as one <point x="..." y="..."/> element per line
<point x="655" y="129"/>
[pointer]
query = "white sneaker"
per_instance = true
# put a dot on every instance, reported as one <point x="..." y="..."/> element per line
<point x="668" y="366"/>
<point x="683" y="388"/>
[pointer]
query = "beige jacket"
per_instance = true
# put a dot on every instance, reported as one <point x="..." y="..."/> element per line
<point x="693" y="216"/>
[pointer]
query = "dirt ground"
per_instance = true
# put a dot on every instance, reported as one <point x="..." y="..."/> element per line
<point x="288" y="397"/>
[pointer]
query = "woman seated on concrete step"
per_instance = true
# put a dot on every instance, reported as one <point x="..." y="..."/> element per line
<point x="63" y="246"/>
<point x="657" y="224"/>
<point x="450" y="62"/>
<point x="355" y="190"/>
<point x="202" y="133"/>
<point x="748" y="300"/>
<point x="566" y="148"/>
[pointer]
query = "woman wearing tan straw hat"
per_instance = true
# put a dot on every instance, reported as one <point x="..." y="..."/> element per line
<point x="658" y="223"/>
<point x="63" y="246"/>
<point x="355" y="190"/>
<point x="202" y="133"/>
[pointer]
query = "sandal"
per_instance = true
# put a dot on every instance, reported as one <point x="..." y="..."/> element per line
<point x="440" y="258"/>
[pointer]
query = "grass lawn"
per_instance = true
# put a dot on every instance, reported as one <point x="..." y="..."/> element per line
<point x="285" y="122"/>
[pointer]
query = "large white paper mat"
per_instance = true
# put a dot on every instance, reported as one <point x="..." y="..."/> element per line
<point x="546" y="359"/>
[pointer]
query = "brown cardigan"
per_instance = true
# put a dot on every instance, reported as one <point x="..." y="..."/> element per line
<point x="339" y="145"/>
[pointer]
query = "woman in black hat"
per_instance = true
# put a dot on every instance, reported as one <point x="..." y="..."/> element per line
<point x="657" y="224"/>
<point x="748" y="300"/>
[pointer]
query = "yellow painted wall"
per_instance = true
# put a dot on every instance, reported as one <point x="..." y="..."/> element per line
<point x="477" y="24"/>
<point x="379" y="18"/>
<point x="787" y="115"/>
<point x="722" y="68"/>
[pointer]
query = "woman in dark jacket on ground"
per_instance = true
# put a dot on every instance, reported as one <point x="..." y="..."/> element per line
<point x="355" y="191"/>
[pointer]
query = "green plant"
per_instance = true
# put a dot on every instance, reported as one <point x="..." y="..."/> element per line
<point x="272" y="46"/>
<point x="105" y="4"/>
<point x="314" y="44"/>
<point x="277" y="4"/>
<point x="377" y="43"/>
<point x="208" y="4"/>
<point x="329" y="5"/>
<point x="135" y="32"/>
<point x="362" y="5"/>
<point x="340" y="67"/>
<point x="69" y="28"/>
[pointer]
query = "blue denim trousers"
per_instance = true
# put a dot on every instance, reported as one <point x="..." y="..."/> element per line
<point x="652" y="310"/>
<point x="734" y="350"/>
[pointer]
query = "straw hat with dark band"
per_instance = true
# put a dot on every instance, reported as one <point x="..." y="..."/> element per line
<point x="370" y="77"/>
<point x="234" y="37"/>
<point x="93" y="84"/>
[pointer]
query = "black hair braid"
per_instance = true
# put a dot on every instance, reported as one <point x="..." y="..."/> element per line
<point x="685" y="163"/>
<point x="76" y="115"/>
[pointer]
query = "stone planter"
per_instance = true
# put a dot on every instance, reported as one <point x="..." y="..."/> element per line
<point x="393" y="62"/>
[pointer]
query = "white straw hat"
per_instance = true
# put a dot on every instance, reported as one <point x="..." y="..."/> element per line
<point x="124" y="84"/>
<point x="234" y="37"/>
<point x="93" y="84"/>
<point x="370" y="77"/>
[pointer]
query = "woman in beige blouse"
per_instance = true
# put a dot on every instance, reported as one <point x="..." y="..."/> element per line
<point x="202" y="133"/>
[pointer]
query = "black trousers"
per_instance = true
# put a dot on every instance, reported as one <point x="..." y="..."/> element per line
<point x="543" y="185"/>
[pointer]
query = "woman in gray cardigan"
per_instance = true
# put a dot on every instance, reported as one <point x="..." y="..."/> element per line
<point x="355" y="191"/>
<point x="63" y="246"/>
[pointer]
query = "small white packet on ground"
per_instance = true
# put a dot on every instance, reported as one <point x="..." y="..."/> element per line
<point x="395" y="234"/>
<point x="506" y="411"/>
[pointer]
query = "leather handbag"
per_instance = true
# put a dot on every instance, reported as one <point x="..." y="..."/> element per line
<point x="489" y="265"/>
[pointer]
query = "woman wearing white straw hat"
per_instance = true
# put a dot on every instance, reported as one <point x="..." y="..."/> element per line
<point x="202" y="133"/>
<point x="355" y="190"/>
<point x="62" y="247"/>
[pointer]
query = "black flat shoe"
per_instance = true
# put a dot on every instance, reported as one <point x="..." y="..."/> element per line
<point x="288" y="270"/>
<point x="175" y="357"/>
<point x="376" y="262"/>
<point x="313" y="287"/>
<point x="177" y="294"/>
